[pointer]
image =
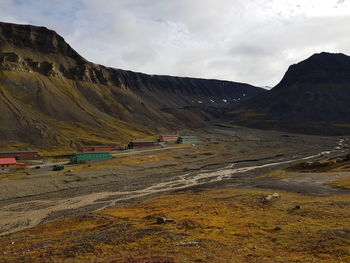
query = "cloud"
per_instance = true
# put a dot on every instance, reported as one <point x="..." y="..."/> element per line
<point x="248" y="41"/>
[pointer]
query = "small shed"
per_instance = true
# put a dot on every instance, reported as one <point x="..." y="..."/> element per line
<point x="95" y="148"/>
<point x="85" y="157"/>
<point x="168" y="138"/>
<point x="187" y="139"/>
<point x="141" y="144"/>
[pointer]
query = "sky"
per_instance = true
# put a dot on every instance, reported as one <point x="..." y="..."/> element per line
<point x="251" y="41"/>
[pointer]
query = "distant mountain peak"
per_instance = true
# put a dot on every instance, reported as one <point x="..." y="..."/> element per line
<point x="319" y="68"/>
<point x="313" y="97"/>
<point x="327" y="58"/>
<point x="328" y="54"/>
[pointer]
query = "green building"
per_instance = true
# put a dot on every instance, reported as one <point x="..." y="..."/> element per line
<point x="187" y="139"/>
<point x="85" y="157"/>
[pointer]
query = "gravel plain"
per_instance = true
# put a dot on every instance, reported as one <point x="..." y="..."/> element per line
<point x="225" y="157"/>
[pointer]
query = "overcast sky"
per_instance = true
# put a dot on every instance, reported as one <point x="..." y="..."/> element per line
<point x="252" y="41"/>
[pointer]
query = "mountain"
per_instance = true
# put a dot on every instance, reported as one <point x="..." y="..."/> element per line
<point x="313" y="97"/>
<point x="51" y="96"/>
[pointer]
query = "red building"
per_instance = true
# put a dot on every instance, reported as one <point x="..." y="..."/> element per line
<point x="10" y="163"/>
<point x="95" y="148"/>
<point x="7" y="163"/>
<point x="21" y="155"/>
<point x="168" y="138"/>
<point x="140" y="144"/>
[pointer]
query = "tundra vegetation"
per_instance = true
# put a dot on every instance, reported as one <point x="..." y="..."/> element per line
<point x="227" y="225"/>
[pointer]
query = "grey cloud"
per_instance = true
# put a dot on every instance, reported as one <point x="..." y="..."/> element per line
<point x="248" y="41"/>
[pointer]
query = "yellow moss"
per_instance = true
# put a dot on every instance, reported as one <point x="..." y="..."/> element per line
<point x="13" y="175"/>
<point x="277" y="173"/>
<point x="341" y="183"/>
<point x="229" y="225"/>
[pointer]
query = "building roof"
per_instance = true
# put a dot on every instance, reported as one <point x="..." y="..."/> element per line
<point x="95" y="146"/>
<point x="170" y="135"/>
<point x="188" y="137"/>
<point x="90" y="152"/>
<point x="19" y="152"/>
<point x="142" y="142"/>
<point x="6" y="161"/>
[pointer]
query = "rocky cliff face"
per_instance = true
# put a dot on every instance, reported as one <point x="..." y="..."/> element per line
<point x="52" y="96"/>
<point x="313" y="97"/>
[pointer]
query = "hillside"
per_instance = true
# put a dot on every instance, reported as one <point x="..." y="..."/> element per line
<point x="50" y="95"/>
<point x="313" y="97"/>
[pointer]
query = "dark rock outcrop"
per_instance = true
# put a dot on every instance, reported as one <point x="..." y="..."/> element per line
<point x="313" y="98"/>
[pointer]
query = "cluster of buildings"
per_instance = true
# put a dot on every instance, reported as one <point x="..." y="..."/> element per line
<point x="102" y="152"/>
<point x="163" y="138"/>
<point x="9" y="160"/>
<point x="177" y="139"/>
<point x="9" y="164"/>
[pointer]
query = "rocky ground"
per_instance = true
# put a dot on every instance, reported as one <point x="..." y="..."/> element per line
<point x="224" y="225"/>
<point x="225" y="157"/>
<point x="231" y="157"/>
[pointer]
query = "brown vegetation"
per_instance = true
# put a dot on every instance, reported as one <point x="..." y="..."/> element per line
<point x="209" y="226"/>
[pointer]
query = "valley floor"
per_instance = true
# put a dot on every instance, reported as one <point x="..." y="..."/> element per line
<point x="234" y="222"/>
<point x="227" y="225"/>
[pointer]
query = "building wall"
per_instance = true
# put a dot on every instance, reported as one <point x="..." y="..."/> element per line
<point x="89" y="157"/>
<point x="21" y="155"/>
<point x="133" y="145"/>
<point x="95" y="149"/>
<point x="182" y="140"/>
<point x="4" y="166"/>
<point x="11" y="167"/>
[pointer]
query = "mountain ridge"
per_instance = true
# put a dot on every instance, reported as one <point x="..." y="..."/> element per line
<point x="60" y="98"/>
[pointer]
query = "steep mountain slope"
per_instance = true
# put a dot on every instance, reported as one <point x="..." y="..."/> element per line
<point x="313" y="97"/>
<point x="50" y="95"/>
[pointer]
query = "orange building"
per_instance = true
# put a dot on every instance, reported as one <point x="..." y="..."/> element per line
<point x="95" y="148"/>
